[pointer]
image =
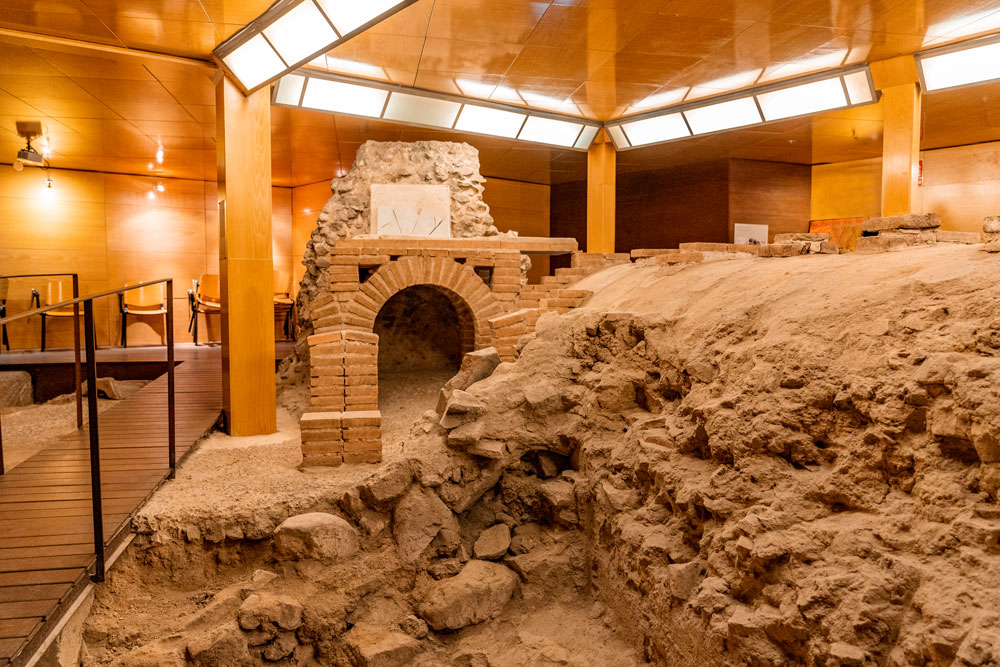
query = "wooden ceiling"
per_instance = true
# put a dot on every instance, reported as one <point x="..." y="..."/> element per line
<point x="111" y="110"/>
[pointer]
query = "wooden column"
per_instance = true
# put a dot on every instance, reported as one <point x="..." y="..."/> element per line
<point x="601" y="161"/>
<point x="901" y="103"/>
<point x="243" y="137"/>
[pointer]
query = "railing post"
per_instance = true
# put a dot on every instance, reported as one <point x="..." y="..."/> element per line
<point x="76" y="352"/>
<point x="95" y="439"/>
<point x="171" y="416"/>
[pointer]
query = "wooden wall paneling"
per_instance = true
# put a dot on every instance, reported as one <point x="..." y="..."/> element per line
<point x="523" y="208"/>
<point x="776" y="194"/>
<point x="847" y="190"/>
<point x="568" y="217"/>
<point x="307" y="202"/>
<point x="666" y="207"/>
<point x="961" y="185"/>
<point x="243" y="130"/>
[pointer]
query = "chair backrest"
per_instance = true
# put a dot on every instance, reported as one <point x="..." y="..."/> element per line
<point x="208" y="287"/>
<point x="4" y="287"/>
<point x="282" y="283"/>
<point x="57" y="291"/>
<point x="150" y="296"/>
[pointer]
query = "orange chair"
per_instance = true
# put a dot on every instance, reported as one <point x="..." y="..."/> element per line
<point x="148" y="301"/>
<point x="283" y="302"/>
<point x="205" y="299"/>
<point x="56" y="291"/>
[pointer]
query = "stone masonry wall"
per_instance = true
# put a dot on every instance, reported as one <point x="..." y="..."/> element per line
<point x="348" y="211"/>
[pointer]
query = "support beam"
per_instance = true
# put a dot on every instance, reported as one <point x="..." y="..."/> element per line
<point x="243" y="136"/>
<point x="901" y="106"/>
<point x="601" y="161"/>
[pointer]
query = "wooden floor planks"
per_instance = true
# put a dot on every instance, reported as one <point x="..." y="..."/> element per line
<point x="46" y="527"/>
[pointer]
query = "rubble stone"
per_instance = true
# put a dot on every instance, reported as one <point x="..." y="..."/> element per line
<point x="476" y="366"/>
<point x="492" y="543"/>
<point x="991" y="233"/>
<point x="478" y="593"/>
<point x="801" y="236"/>
<point x="419" y="517"/>
<point x="907" y="221"/>
<point x="316" y="535"/>
<point x="783" y="250"/>
<point x="15" y="389"/>
<point x="266" y="608"/>
<point x="381" y="647"/>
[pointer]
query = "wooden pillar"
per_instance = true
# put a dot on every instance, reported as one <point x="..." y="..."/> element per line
<point x="243" y="138"/>
<point x="901" y="104"/>
<point x="601" y="161"/>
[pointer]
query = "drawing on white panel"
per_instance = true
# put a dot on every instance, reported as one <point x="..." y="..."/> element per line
<point x="411" y="210"/>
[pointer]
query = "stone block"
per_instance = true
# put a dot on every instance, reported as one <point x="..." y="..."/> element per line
<point x="968" y="238"/>
<point x="907" y="221"/>
<point x="800" y="236"/>
<point x="868" y="245"/>
<point x="783" y="250"/>
<point x="679" y="258"/>
<point x="15" y="389"/>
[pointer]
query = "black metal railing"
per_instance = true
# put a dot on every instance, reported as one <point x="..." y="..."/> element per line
<point x="76" y="343"/>
<point x="92" y="417"/>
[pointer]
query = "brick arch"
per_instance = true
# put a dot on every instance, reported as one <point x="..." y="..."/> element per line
<point x="472" y="298"/>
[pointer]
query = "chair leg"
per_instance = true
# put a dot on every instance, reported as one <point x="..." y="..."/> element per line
<point x="124" y="329"/>
<point x="43" y="331"/>
<point x="196" y="327"/>
<point x="6" y="341"/>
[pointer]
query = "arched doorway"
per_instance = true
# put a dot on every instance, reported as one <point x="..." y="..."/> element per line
<point x="423" y="331"/>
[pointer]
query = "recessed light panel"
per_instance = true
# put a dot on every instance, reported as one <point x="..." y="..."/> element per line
<point x="289" y="89"/>
<point x="344" y="98"/>
<point x="961" y="68"/>
<point x="655" y="130"/>
<point x="550" y="131"/>
<point x="586" y="137"/>
<point x="300" y="33"/>
<point x="349" y="15"/>
<point x="486" y="120"/>
<point x="421" y="110"/>
<point x="254" y="62"/>
<point x="859" y="87"/>
<point x="618" y="137"/>
<point x="803" y="99"/>
<point x="723" y="115"/>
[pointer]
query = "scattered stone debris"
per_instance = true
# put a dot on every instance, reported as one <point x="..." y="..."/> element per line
<point x="16" y="389"/>
<point x="904" y="231"/>
<point x="991" y="233"/>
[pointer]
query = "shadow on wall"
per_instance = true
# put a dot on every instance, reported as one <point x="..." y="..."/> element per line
<point x="419" y="330"/>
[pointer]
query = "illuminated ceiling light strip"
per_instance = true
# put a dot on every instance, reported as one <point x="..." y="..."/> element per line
<point x="291" y="33"/>
<point x="964" y="64"/>
<point x="803" y="96"/>
<point x="335" y="93"/>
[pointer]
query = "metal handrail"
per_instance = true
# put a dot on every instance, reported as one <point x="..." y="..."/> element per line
<point x="76" y="343"/>
<point x="93" y="430"/>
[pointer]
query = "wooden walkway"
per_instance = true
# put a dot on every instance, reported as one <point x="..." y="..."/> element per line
<point x="46" y="527"/>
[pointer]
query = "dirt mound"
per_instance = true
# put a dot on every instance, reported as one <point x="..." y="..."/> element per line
<point x="747" y="461"/>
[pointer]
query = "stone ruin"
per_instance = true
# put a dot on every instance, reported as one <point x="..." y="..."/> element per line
<point x="348" y="211"/>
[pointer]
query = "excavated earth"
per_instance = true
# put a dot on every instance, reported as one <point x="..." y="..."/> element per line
<point x="744" y="461"/>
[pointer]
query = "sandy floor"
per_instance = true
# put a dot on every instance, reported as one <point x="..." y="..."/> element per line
<point x="30" y="429"/>
<point x="403" y="397"/>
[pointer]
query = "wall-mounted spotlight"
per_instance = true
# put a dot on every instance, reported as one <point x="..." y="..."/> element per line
<point x="334" y="93"/>
<point x="159" y="186"/>
<point x="48" y="183"/>
<point x="293" y="32"/>
<point x="803" y="96"/>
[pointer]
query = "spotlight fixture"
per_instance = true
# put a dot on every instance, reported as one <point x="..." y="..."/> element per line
<point x="334" y="93"/>
<point x="28" y="156"/>
<point x="964" y="64"/>
<point x="48" y="183"/>
<point x="159" y="186"/>
<point x="159" y="155"/>
<point x="291" y="33"/>
<point x="802" y="96"/>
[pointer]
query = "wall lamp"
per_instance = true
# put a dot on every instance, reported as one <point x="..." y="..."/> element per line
<point x="293" y="32"/>
<point x="802" y="96"/>
<point x="958" y="65"/>
<point x="333" y="93"/>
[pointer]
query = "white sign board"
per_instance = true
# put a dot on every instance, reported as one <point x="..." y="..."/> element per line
<point x="405" y="209"/>
<point x="744" y="234"/>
